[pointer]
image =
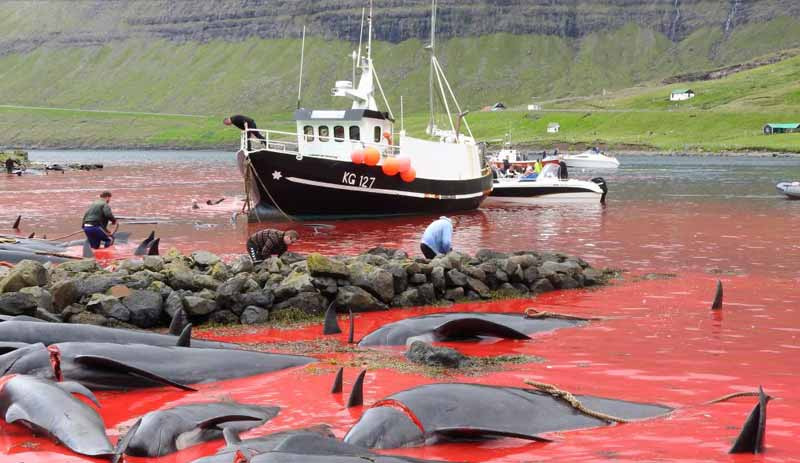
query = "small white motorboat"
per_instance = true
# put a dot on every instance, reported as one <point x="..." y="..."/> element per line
<point x="591" y="159"/>
<point x="548" y="185"/>
<point x="790" y="189"/>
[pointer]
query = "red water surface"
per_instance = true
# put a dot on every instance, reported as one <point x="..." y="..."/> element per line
<point x="658" y="341"/>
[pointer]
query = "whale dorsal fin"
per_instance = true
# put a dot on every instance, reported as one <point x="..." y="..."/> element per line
<point x="751" y="438"/>
<point x="217" y="420"/>
<point x="124" y="441"/>
<point x="357" y="394"/>
<point x="77" y="388"/>
<point x="97" y="361"/>
<point x="472" y="327"/>
<point x="179" y="321"/>
<point x="142" y="248"/>
<point x="152" y="250"/>
<point x="331" y="325"/>
<point x="185" y="339"/>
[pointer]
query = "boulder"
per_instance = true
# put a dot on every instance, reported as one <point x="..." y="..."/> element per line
<point x="17" y="304"/>
<point x="399" y="277"/>
<point x="418" y="279"/>
<point x="223" y="317"/>
<point x="425" y="354"/>
<point x="241" y="264"/>
<point x="172" y="303"/>
<point x="26" y="273"/>
<point x="530" y="275"/>
<point x="220" y="271"/>
<point x="325" y="285"/>
<point x="525" y="260"/>
<point x="438" y="279"/>
<point x="568" y="282"/>
<point x="319" y="265"/>
<point x="308" y="302"/>
<point x="132" y="265"/>
<point x="97" y="284"/>
<point x="179" y="276"/>
<point x="407" y="298"/>
<point x="542" y="285"/>
<point x="454" y="294"/>
<point x="296" y="282"/>
<point x="146" y="308"/>
<point x="474" y="272"/>
<point x="592" y="277"/>
<point x="204" y="258"/>
<point x="254" y="315"/>
<point x="154" y="263"/>
<point x="479" y="287"/>
<point x="109" y="306"/>
<point x="79" y="266"/>
<point x="42" y="296"/>
<point x="47" y="316"/>
<point x="487" y="254"/>
<point x="64" y="292"/>
<point x="357" y="300"/>
<point x="374" y="279"/>
<point x="198" y="306"/>
<point x="456" y="278"/>
<point x="88" y="318"/>
<point x="291" y="257"/>
<point x="261" y="298"/>
<point x="205" y="281"/>
<point x="427" y="295"/>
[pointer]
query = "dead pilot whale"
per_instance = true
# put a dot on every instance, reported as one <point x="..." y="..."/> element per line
<point x="259" y="444"/>
<point x="425" y="413"/>
<point x="49" y="408"/>
<point x="162" y="432"/>
<point x="131" y="366"/>
<point x="463" y="326"/>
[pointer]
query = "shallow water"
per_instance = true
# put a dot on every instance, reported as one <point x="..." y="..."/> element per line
<point x="697" y="218"/>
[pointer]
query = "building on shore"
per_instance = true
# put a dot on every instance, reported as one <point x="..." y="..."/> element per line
<point x="681" y="94"/>
<point x="774" y="127"/>
<point x="553" y="127"/>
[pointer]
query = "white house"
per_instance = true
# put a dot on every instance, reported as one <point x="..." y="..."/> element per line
<point x="681" y="94"/>
<point x="534" y="107"/>
<point x="553" y="127"/>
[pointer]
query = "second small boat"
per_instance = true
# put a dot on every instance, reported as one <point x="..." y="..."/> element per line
<point x="548" y="185"/>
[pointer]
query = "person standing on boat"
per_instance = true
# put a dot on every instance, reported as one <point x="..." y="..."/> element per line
<point x="562" y="170"/>
<point x="96" y="220"/>
<point x="437" y="238"/>
<point x="268" y="242"/>
<point x="10" y="162"/>
<point x="244" y="123"/>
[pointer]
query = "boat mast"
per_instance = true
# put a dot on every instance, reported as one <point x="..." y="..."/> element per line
<point x="302" y="56"/>
<point x="432" y="120"/>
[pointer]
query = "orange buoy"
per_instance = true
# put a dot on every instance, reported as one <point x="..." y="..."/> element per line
<point x="357" y="157"/>
<point x="390" y="166"/>
<point x="388" y="136"/>
<point x="372" y="156"/>
<point x="410" y="175"/>
<point x="403" y="164"/>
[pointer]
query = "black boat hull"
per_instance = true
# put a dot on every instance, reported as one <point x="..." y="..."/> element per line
<point x="314" y="187"/>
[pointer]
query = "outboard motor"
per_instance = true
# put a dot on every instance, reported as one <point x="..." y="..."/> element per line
<point x="603" y="186"/>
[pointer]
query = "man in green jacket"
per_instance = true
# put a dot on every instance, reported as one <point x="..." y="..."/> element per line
<point x="96" y="220"/>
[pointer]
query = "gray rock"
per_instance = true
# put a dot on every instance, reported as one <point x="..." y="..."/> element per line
<point x="198" y="306"/>
<point x="261" y="298"/>
<point x="250" y="285"/>
<point x="42" y="296"/>
<point x="525" y="260"/>
<point x="204" y="258"/>
<point x="308" y="302"/>
<point x="132" y="265"/>
<point x="518" y="275"/>
<point x="88" y="318"/>
<point x="456" y="278"/>
<point x="412" y="268"/>
<point x="26" y="273"/>
<point x="377" y="281"/>
<point x="488" y="268"/>
<point x="568" y="282"/>
<point x="79" y="266"/>
<point x="479" y="287"/>
<point x="146" y="308"/>
<point x="326" y="285"/>
<point x="109" y="307"/>
<point x="442" y="262"/>
<point x="296" y="282"/>
<point x="241" y="264"/>
<point x="542" y="285"/>
<point x="567" y="267"/>
<point x="319" y="265"/>
<point x="425" y="354"/>
<point x="96" y="284"/>
<point x="454" y="294"/>
<point x="530" y="275"/>
<point x="357" y="300"/>
<point x="592" y="277"/>
<point x="427" y="295"/>
<point x="220" y="271"/>
<point x="474" y="272"/>
<point x="229" y="293"/>
<point x="292" y="257"/>
<point x="487" y="254"/>
<point x="179" y="276"/>
<point x="65" y="292"/>
<point x="205" y="281"/>
<point x="154" y="263"/>
<point x="399" y="277"/>
<point x="418" y="279"/>
<point x="501" y="276"/>
<point x="224" y="317"/>
<point x="438" y="279"/>
<point x="254" y="315"/>
<point x="373" y="259"/>
<point x="173" y="303"/>
<point x="17" y="304"/>
<point x="407" y="298"/>
<point x="47" y="316"/>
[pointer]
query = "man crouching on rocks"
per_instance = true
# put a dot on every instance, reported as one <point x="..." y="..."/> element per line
<point x="268" y="242"/>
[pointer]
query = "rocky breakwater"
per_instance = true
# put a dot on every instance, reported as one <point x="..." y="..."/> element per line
<point x="146" y="292"/>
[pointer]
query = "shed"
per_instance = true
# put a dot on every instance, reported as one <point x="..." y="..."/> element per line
<point x="553" y="127"/>
<point x="681" y="94"/>
<point x="773" y="127"/>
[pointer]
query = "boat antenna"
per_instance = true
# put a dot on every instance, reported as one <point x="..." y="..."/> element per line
<point x="432" y="122"/>
<point x="402" y="118"/>
<point x="360" y="37"/>
<point x="369" y="36"/>
<point x="302" y="56"/>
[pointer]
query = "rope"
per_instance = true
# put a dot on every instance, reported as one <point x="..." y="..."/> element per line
<point x="255" y="174"/>
<point x="733" y="396"/>
<point x="66" y="236"/>
<point x="571" y="400"/>
<point x="530" y="312"/>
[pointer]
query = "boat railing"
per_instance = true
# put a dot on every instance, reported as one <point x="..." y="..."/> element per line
<point x="253" y="140"/>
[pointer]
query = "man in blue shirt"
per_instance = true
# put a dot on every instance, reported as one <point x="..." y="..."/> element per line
<point x="437" y="238"/>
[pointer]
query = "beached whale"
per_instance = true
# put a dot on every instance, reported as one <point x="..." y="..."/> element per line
<point x="256" y="445"/>
<point x="49" y="408"/>
<point x="52" y="333"/>
<point x="131" y="366"/>
<point x="460" y="326"/>
<point x="162" y="432"/>
<point x="427" y="413"/>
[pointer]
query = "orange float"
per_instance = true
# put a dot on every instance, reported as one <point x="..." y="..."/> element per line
<point x="388" y="136"/>
<point x="390" y="166"/>
<point x="372" y="156"/>
<point x="410" y="175"/>
<point x="357" y="157"/>
<point x="403" y="164"/>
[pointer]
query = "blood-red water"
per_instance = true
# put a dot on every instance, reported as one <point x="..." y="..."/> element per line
<point x="658" y="341"/>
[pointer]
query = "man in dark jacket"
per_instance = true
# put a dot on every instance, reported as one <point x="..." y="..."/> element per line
<point x="244" y="123"/>
<point x="268" y="242"/>
<point x="96" y="219"/>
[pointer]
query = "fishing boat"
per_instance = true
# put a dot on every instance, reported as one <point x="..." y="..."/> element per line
<point x="591" y="159"/>
<point x="353" y="162"/>
<point x="790" y="189"/>
<point x="547" y="185"/>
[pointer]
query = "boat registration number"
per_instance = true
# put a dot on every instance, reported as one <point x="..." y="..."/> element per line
<point x="364" y="181"/>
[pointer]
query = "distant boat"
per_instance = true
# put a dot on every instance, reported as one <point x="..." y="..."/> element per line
<point x="547" y="186"/>
<point x="590" y="159"/>
<point x="790" y="189"/>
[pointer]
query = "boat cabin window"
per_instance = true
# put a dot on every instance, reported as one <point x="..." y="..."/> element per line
<point x="323" y="133"/>
<point x="309" y="132"/>
<point x="355" y="132"/>
<point x="377" y="132"/>
<point x="338" y="133"/>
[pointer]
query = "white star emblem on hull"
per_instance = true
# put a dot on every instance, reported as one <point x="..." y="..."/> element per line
<point x="276" y="175"/>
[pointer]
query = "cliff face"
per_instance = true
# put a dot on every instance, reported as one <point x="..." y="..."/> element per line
<point x="34" y="23"/>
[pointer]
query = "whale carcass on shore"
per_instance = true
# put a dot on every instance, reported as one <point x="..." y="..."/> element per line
<point x="459" y="326"/>
<point x="130" y="366"/>
<point x="426" y="413"/>
<point x="49" y="408"/>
